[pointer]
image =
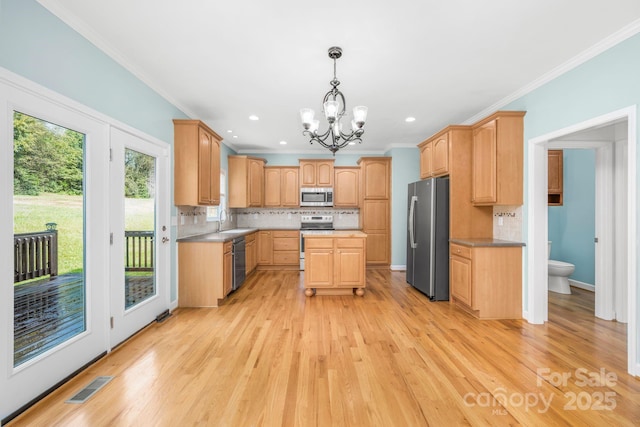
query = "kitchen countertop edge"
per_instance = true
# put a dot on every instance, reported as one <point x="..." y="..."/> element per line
<point x="226" y="236"/>
<point x="486" y="242"/>
<point x="221" y="237"/>
<point x="334" y="233"/>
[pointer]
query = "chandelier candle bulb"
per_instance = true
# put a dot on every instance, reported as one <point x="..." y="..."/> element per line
<point x="331" y="110"/>
<point x="334" y="106"/>
<point x="360" y="115"/>
<point x="315" y="124"/>
<point x="306" y="114"/>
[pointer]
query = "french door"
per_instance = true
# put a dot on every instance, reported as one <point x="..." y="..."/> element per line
<point x="73" y="192"/>
<point x="53" y="243"/>
<point x="140" y="233"/>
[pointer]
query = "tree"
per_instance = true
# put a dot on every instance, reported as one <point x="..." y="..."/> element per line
<point x="139" y="173"/>
<point x="47" y="158"/>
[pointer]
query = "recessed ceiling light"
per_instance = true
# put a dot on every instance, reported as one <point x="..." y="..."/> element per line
<point x="254" y="117"/>
<point x="229" y="131"/>
<point x="283" y="142"/>
<point x="410" y="119"/>
<point x="235" y="136"/>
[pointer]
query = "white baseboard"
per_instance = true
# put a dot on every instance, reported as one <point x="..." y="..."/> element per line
<point x="582" y="285"/>
<point x="398" y="267"/>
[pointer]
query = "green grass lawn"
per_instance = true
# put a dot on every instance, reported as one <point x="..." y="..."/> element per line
<point x="31" y="213"/>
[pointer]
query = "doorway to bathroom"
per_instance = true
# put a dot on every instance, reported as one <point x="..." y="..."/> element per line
<point x="613" y="138"/>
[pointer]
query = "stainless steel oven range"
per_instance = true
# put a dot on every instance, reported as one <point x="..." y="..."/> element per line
<point x="313" y="224"/>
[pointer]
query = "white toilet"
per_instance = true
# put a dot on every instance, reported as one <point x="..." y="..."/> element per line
<point x="559" y="273"/>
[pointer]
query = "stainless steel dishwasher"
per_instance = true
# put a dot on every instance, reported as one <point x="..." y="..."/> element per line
<point x="239" y="262"/>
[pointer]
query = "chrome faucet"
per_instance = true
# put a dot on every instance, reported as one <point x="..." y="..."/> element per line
<point x="222" y="218"/>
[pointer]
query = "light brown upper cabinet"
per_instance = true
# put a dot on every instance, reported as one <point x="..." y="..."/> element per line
<point x="434" y="156"/>
<point x="246" y="181"/>
<point x="316" y="173"/>
<point x="555" y="183"/>
<point x="347" y="183"/>
<point x="197" y="164"/>
<point x="376" y="174"/>
<point x="281" y="186"/>
<point x="465" y="219"/>
<point x="497" y="159"/>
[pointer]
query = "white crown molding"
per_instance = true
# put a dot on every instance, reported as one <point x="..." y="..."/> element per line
<point x="590" y="53"/>
<point x="88" y="33"/>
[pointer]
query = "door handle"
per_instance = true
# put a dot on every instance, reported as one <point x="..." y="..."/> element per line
<point x="165" y="239"/>
<point x="412" y="212"/>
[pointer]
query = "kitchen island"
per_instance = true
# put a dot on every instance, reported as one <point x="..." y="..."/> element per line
<point x="335" y="262"/>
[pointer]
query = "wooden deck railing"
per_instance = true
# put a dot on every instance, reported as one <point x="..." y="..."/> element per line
<point x="35" y="255"/>
<point x="139" y="250"/>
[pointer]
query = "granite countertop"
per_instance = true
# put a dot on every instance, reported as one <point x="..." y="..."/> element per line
<point x="476" y="242"/>
<point x="334" y="233"/>
<point x="220" y="237"/>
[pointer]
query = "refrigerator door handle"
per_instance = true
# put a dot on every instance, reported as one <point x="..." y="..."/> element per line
<point x="412" y="212"/>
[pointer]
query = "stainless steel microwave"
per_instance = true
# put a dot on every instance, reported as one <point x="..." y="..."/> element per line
<point x="315" y="196"/>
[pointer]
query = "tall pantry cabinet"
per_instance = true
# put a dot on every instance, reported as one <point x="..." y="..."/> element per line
<point x="375" y="208"/>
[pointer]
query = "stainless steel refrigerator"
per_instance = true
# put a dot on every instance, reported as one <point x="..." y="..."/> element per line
<point x="428" y="237"/>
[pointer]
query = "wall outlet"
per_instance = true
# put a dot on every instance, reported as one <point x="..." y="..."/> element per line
<point x="500" y="221"/>
<point x="289" y="216"/>
<point x="181" y="219"/>
<point x="195" y="219"/>
<point x="255" y="216"/>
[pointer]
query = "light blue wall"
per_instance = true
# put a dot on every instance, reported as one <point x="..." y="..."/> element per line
<point x="572" y="225"/>
<point x="38" y="46"/>
<point x="405" y="167"/>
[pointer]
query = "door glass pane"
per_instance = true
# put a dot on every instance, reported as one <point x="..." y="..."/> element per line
<point x="49" y="230"/>
<point x="139" y="211"/>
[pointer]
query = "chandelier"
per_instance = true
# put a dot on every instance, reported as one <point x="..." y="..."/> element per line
<point x="334" y="107"/>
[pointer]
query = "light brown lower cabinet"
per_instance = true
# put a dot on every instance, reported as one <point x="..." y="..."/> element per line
<point x="278" y="249"/>
<point x="487" y="280"/>
<point x="334" y="265"/>
<point x="205" y="272"/>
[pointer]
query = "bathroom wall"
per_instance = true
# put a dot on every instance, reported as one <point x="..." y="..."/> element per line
<point x="572" y="225"/>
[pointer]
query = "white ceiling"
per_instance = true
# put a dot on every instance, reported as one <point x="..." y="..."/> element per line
<point x="443" y="62"/>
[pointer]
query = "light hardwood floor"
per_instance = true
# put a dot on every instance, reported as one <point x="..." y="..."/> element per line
<point x="271" y="356"/>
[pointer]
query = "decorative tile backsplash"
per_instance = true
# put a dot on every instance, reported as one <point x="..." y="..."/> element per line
<point x="507" y="223"/>
<point x="193" y="220"/>
<point x="290" y="218"/>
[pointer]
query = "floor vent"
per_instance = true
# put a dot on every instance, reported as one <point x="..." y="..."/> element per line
<point x="93" y="387"/>
<point x="163" y="316"/>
